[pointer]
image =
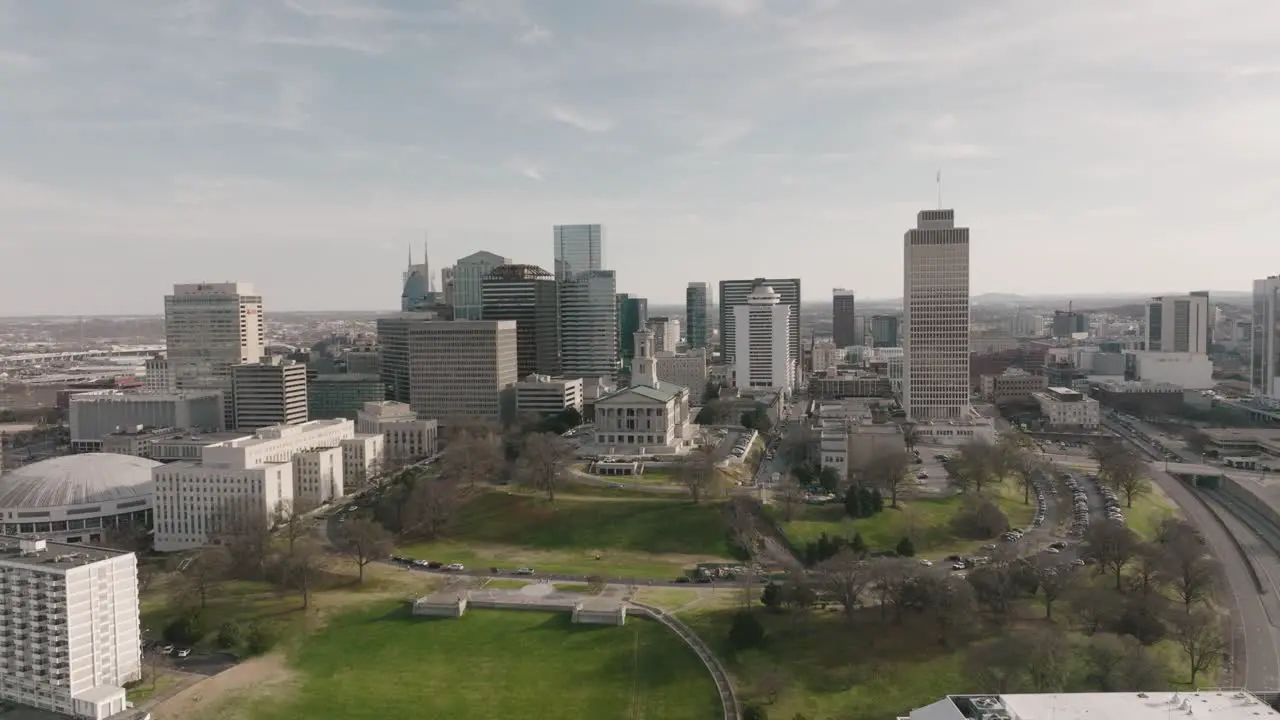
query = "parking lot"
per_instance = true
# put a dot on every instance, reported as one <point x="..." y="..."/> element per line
<point x="197" y="662"/>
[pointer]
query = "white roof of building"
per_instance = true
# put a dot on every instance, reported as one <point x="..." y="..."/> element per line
<point x="1224" y="705"/>
<point x="77" y="480"/>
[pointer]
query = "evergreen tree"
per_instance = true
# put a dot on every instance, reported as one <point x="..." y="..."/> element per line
<point x="905" y="548"/>
<point x="853" y="502"/>
<point x="858" y="545"/>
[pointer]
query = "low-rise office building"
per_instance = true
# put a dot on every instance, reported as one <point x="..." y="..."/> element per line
<point x="1064" y="408"/>
<point x="1154" y="705"/>
<point x="1012" y="386"/>
<point x="97" y="413"/>
<point x="342" y="395"/>
<point x="406" y="437"/>
<point x="70" y="636"/>
<point x="688" y="370"/>
<point x="547" y="395"/>
<point x="270" y="392"/>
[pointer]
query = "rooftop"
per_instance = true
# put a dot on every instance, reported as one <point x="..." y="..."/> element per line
<point x="49" y="555"/>
<point x="663" y="392"/>
<point x="1225" y="705"/>
<point x="77" y="480"/>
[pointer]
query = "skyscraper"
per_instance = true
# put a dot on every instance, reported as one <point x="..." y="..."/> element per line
<point x="633" y="316"/>
<point x="884" y="330"/>
<point x="844" y="322"/>
<point x="1264" y="354"/>
<point x="270" y="392"/>
<point x="589" y="325"/>
<point x="419" y="290"/>
<point x="936" y="318"/>
<point x="578" y="249"/>
<point x="209" y="329"/>
<point x="530" y="296"/>
<point x="1179" y="323"/>
<point x="762" y="356"/>
<point x="468" y="276"/>
<point x="697" y="309"/>
<point x="736" y="292"/>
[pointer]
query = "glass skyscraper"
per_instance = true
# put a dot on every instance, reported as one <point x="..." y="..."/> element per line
<point x="697" y="308"/>
<point x="578" y="249"/>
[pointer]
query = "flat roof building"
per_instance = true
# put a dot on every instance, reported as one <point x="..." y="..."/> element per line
<point x="547" y="395"/>
<point x="1154" y="705"/>
<point x="97" y="413"/>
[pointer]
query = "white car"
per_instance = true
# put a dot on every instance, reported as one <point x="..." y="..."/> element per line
<point x="455" y="567"/>
<point x="184" y="652"/>
<point x="1052" y="550"/>
<point x="926" y="562"/>
<point x="523" y="571"/>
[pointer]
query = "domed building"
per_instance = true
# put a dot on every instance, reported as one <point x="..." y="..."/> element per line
<point x="76" y="498"/>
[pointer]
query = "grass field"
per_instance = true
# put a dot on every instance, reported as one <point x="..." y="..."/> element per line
<point x="644" y="538"/>
<point x="384" y="664"/>
<point x="927" y="521"/>
<point x="1149" y="511"/>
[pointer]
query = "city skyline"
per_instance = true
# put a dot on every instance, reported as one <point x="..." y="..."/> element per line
<point x="277" y="130"/>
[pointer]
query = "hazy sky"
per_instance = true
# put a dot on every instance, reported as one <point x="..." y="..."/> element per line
<point x="1091" y="145"/>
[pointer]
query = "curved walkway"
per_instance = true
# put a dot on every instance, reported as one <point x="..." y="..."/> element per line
<point x="728" y="697"/>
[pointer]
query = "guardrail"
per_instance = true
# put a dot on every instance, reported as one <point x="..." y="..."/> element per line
<point x="1244" y="554"/>
<point x="728" y="697"/>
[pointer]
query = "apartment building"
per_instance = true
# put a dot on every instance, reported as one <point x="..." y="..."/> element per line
<point x="256" y="476"/>
<point x="270" y="392"/>
<point x="209" y="329"/>
<point x="97" y="413"/>
<point x="406" y="437"/>
<point x="69" y="627"/>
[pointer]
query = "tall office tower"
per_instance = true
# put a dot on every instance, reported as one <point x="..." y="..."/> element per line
<point x="74" y="635"/>
<point x="1264" y="354"/>
<point x="393" y="351"/>
<point x="446" y="285"/>
<point x="936" y="318"/>
<point x="762" y="356"/>
<point x="1179" y="323"/>
<point x="468" y="279"/>
<point x="578" y="249"/>
<point x="666" y="333"/>
<point x="210" y="328"/>
<point x="884" y="330"/>
<point x="270" y="392"/>
<point x="1068" y="322"/>
<point x="697" y="311"/>
<point x="460" y="369"/>
<point x="736" y="292"/>
<point x="633" y="316"/>
<point x="530" y="296"/>
<point x="844" y="321"/>
<point x="589" y="325"/>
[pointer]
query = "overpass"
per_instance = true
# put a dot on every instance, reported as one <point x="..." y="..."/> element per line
<point x="7" y="361"/>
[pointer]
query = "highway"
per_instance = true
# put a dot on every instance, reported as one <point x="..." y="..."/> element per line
<point x="1255" y="657"/>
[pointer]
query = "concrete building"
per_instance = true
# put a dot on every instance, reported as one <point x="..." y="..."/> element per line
<point x="209" y="329"/>
<point x="844" y="319"/>
<point x="1012" y="386"/>
<point x="1069" y="322"/>
<point x="579" y="249"/>
<point x="1066" y="409"/>
<point x="77" y="498"/>
<point x="1179" y="323"/>
<point x="73" y="635"/>
<point x="158" y="378"/>
<point x="839" y="385"/>
<point x="735" y="292"/>
<point x="697" y="314"/>
<point x="666" y="333"/>
<point x="407" y="439"/>
<point x="530" y="296"/>
<point x="687" y="369"/>
<point x="1264" y="350"/>
<point x="648" y="418"/>
<point x="97" y="413"/>
<point x="468" y="278"/>
<point x="137" y="441"/>
<point x="824" y="356"/>
<point x="1140" y="398"/>
<point x="447" y="287"/>
<point x="1191" y="371"/>
<point x="762" y="357"/>
<point x="589" y="324"/>
<point x="270" y="392"/>
<point x="1152" y="705"/>
<point x="364" y="457"/>
<point x="633" y="316"/>
<point x="342" y="395"/>
<point x="936" y="303"/>
<point x="848" y="438"/>
<point x="363" y="361"/>
<point x="459" y="370"/>
<point x="252" y="478"/>
<point x="393" y="348"/>
<point x="884" y="331"/>
<point x="547" y="395"/>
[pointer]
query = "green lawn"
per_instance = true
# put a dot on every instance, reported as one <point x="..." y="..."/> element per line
<point x="927" y="521"/>
<point x="1149" y="511"/>
<point x="383" y="664"/>
<point x="240" y="601"/>
<point x="643" y="538"/>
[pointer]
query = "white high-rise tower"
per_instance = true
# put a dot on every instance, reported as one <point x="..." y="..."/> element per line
<point x="935" y="301"/>
<point x="210" y="328"/>
<point x="762" y="337"/>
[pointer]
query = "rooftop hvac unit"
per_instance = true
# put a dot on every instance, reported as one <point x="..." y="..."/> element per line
<point x="996" y="716"/>
<point x="987" y="703"/>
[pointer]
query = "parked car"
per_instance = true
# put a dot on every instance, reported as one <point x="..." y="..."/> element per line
<point x="524" y="571"/>
<point x="184" y="652"/>
<point x="455" y="567"/>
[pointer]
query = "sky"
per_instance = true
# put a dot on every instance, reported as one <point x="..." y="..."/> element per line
<point x="304" y="145"/>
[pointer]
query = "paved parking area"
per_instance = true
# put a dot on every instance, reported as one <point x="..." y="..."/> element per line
<point x="197" y="663"/>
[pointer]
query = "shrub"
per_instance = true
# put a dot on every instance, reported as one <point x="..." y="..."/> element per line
<point x="755" y="712"/>
<point x="746" y="632"/>
<point x="905" y="548"/>
<point x="228" y="635"/>
<point x="259" y="639"/>
<point x="184" y="630"/>
<point x="980" y="521"/>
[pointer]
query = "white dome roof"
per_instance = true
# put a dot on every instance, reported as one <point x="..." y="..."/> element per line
<point x="77" y="480"/>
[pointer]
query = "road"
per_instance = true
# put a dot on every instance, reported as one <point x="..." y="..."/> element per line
<point x="1258" y="666"/>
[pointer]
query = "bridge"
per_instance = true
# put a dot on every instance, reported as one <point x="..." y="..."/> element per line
<point x="7" y="361"/>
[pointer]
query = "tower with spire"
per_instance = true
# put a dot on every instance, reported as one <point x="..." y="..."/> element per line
<point x="419" y="289"/>
<point x="644" y="368"/>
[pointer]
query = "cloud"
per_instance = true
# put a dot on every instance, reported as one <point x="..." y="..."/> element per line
<point x="525" y="168"/>
<point x="535" y="34"/>
<point x="729" y="8"/>
<point x="950" y="151"/>
<point x="580" y="120"/>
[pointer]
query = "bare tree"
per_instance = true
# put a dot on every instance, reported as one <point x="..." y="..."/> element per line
<point x="910" y="435"/>
<point x="769" y="684"/>
<point x="1200" y="637"/>
<point x="1025" y="468"/>
<point x="997" y="666"/>
<point x="1048" y="657"/>
<point x="203" y="574"/>
<point x="846" y="576"/>
<point x="887" y="470"/>
<point x="789" y="493"/>
<point x="473" y="453"/>
<point x="1187" y="568"/>
<point x="995" y="590"/>
<point x="697" y="471"/>
<point x="1113" y="545"/>
<point x="544" y="461"/>
<point x="1055" y="579"/>
<point x="974" y="466"/>
<point x="364" y="541"/>
<point x="245" y="531"/>
<point x="1122" y="469"/>
<point x="302" y="568"/>
<point x="1095" y="607"/>
<point x="889" y="580"/>
<point x="293" y="520"/>
<point x="431" y="505"/>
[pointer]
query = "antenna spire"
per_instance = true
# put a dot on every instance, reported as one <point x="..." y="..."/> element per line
<point x="426" y="263"/>
<point x="939" y="188"/>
